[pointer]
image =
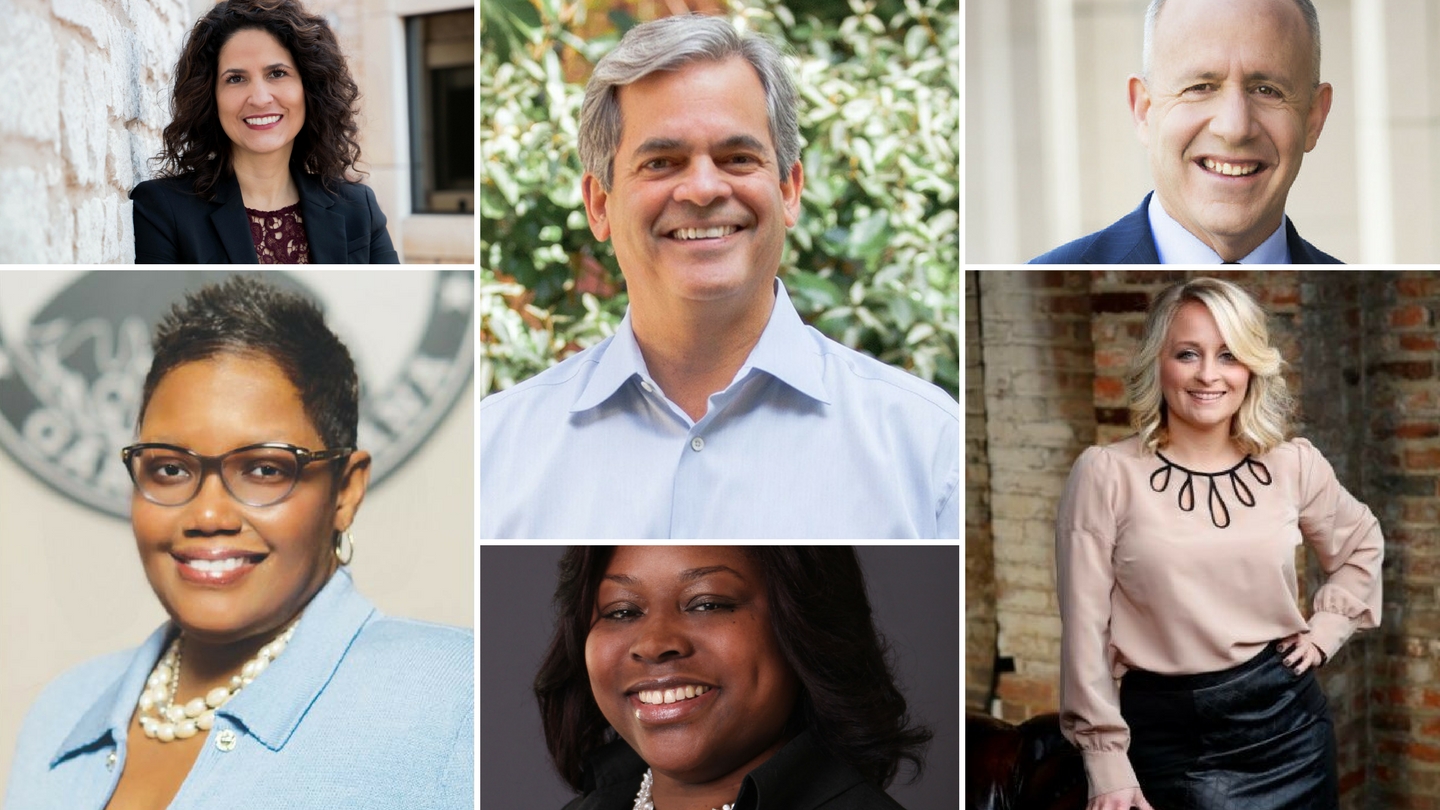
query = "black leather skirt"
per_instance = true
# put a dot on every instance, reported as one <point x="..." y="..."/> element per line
<point x="1253" y="737"/>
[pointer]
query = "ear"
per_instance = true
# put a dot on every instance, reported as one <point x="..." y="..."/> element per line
<point x="351" y="489"/>
<point x="1140" y="108"/>
<point x="595" y="198"/>
<point x="1319" y="111"/>
<point x="790" y="193"/>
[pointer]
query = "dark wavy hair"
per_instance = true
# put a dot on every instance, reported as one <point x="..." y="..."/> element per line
<point x="247" y="316"/>
<point x="821" y="616"/>
<point x="328" y="145"/>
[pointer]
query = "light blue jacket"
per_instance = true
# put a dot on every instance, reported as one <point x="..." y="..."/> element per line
<point x="361" y="710"/>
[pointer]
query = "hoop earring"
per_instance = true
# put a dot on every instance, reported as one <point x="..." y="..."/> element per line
<point x="344" y="547"/>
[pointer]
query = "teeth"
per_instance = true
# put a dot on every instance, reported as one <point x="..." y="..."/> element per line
<point x="217" y="566"/>
<point x="263" y="120"/>
<point x="679" y="693"/>
<point x="1230" y="169"/>
<point x="1207" y="394"/>
<point x="704" y="233"/>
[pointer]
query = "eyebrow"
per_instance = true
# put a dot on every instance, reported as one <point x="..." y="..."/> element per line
<point x="661" y="145"/>
<point x="262" y="70"/>
<point x="689" y="575"/>
<point x="1259" y="76"/>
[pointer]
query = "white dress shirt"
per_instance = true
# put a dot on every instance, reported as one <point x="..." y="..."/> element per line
<point x="810" y="440"/>
<point x="1178" y="246"/>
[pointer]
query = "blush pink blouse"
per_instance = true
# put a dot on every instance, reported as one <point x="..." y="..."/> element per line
<point x="1176" y="571"/>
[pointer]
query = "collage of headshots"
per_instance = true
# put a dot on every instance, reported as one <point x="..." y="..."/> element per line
<point x="705" y="288"/>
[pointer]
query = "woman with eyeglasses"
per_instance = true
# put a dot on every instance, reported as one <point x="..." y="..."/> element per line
<point x="274" y="683"/>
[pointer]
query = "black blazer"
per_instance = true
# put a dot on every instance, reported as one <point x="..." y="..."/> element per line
<point x="1129" y="241"/>
<point x="801" y="776"/>
<point x="174" y="225"/>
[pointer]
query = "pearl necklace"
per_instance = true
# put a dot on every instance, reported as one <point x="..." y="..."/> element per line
<point x="642" y="799"/>
<point x="163" y="719"/>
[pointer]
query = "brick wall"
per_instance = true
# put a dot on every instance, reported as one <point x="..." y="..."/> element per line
<point x="1327" y="332"/>
<point x="1038" y="376"/>
<point x="979" y="550"/>
<point x="1404" y="432"/>
<point x="1361" y="348"/>
<point x="87" y="95"/>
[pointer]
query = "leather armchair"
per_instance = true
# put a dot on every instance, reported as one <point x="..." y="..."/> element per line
<point x="1026" y="767"/>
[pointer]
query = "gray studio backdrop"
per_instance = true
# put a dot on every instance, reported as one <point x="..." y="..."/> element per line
<point x="914" y="592"/>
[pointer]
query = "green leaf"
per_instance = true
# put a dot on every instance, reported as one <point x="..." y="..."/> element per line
<point x="814" y="292"/>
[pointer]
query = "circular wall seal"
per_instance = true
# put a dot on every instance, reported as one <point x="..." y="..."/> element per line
<point x="75" y="348"/>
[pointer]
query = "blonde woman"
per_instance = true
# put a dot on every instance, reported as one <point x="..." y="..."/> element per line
<point x="1187" y="669"/>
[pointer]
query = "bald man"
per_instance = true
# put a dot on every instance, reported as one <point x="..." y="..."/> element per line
<point x="1229" y="103"/>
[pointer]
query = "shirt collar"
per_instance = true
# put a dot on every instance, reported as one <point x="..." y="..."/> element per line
<point x="785" y="351"/>
<point x="1176" y="245"/>
<point x="269" y="709"/>
<point x="775" y="785"/>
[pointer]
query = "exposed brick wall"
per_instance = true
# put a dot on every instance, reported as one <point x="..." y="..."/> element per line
<point x="87" y="97"/>
<point x="1362" y="353"/>
<point x="979" y="549"/>
<point x="1328" y="332"/>
<point x="1039" y="415"/>
<point x="1404" y="463"/>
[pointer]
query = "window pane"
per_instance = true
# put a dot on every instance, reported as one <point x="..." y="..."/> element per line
<point x="442" y="109"/>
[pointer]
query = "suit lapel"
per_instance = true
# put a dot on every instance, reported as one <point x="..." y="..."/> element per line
<point x="1301" y="252"/>
<point x="1128" y="241"/>
<point x="324" y="226"/>
<point x="231" y="224"/>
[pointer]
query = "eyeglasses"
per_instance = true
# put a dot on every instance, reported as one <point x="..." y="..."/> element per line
<point x="255" y="475"/>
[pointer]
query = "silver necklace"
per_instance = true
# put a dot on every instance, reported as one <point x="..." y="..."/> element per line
<point x="642" y="799"/>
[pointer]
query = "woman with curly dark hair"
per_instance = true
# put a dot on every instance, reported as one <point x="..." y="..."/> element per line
<point x="744" y="678"/>
<point x="259" y="160"/>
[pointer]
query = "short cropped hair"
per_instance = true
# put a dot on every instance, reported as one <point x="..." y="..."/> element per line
<point x="328" y="145"/>
<point x="672" y="43"/>
<point x="820" y="615"/>
<point x="249" y="317"/>
<point x="1263" y="419"/>
<point x="1307" y="10"/>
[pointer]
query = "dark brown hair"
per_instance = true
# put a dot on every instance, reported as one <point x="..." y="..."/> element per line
<point x="327" y="145"/>
<point x="821" y="616"/>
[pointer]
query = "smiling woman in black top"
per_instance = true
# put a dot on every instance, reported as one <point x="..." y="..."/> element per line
<point x="259" y="160"/>
<point x="696" y="678"/>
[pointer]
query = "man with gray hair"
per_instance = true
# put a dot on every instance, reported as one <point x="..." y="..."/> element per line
<point x="713" y="411"/>
<point x="1229" y="103"/>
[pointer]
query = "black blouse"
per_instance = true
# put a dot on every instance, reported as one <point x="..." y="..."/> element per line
<point x="801" y="776"/>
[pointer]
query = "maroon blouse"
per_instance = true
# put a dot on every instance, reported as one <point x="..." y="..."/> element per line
<point x="279" y="236"/>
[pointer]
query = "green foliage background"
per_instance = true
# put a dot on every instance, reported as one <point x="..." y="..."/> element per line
<point x="874" y="260"/>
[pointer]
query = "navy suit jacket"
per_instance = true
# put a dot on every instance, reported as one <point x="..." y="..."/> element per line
<point x="174" y="225"/>
<point x="1130" y="241"/>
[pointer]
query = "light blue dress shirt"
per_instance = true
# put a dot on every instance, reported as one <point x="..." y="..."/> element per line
<point x="1178" y="246"/>
<point x="810" y="440"/>
<point x="360" y="710"/>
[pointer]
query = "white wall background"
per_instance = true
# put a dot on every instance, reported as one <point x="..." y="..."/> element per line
<point x="1051" y="152"/>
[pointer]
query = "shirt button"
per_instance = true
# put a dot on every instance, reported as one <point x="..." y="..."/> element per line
<point x="697" y="444"/>
<point x="110" y="761"/>
<point x="225" y="740"/>
<point x="649" y="389"/>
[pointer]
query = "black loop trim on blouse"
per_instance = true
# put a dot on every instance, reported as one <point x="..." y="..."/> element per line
<point x="1219" y="510"/>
